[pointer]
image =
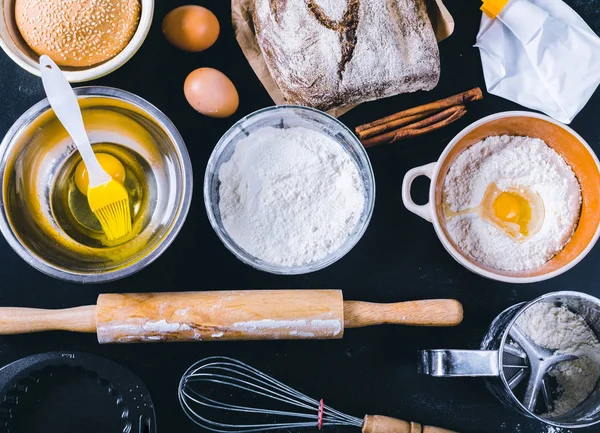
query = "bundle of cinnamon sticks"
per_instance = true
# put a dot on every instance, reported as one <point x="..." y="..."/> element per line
<point x="417" y="121"/>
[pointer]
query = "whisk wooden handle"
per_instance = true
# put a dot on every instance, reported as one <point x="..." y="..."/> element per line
<point x="16" y="320"/>
<point x="433" y="312"/>
<point x="384" y="424"/>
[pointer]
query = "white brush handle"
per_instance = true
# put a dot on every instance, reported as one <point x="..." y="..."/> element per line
<point x="64" y="103"/>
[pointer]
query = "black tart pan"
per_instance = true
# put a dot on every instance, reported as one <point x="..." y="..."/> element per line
<point x="71" y="392"/>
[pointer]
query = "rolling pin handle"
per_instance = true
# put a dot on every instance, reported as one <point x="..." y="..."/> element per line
<point x="16" y="320"/>
<point x="432" y="312"/>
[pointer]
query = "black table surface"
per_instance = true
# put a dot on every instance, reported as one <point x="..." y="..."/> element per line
<point x="372" y="370"/>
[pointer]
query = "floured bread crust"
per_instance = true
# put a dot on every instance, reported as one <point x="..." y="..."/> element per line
<point x="332" y="53"/>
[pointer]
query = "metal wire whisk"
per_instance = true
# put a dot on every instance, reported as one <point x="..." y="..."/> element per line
<point x="221" y="371"/>
<point x="206" y="378"/>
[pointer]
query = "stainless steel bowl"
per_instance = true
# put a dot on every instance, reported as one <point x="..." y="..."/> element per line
<point x="33" y="157"/>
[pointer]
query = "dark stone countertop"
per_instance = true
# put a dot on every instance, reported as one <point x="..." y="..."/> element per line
<point x="372" y="370"/>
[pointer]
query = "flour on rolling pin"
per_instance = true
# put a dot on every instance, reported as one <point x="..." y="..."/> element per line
<point x="331" y="326"/>
<point x="230" y="315"/>
<point x="139" y="329"/>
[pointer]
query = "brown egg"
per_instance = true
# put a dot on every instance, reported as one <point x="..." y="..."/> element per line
<point x="191" y="28"/>
<point x="211" y="93"/>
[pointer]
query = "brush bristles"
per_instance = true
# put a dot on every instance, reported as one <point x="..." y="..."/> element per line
<point x="115" y="219"/>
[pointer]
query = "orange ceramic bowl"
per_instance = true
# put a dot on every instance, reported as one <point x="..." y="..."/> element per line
<point x="575" y="151"/>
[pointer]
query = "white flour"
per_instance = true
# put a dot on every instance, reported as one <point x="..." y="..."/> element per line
<point x="512" y="162"/>
<point x="290" y="196"/>
<point x="331" y="327"/>
<point x="558" y="328"/>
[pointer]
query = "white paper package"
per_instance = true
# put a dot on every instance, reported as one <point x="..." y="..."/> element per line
<point x="542" y="55"/>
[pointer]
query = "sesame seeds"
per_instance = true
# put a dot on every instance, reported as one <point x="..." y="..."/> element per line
<point x="77" y="33"/>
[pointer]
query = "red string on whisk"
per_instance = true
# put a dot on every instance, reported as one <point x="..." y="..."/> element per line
<point x="321" y="410"/>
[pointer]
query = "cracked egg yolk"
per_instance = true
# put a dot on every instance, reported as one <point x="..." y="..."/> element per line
<point x="109" y="163"/>
<point x="519" y="212"/>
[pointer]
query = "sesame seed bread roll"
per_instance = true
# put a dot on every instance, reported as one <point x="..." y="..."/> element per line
<point x="77" y="33"/>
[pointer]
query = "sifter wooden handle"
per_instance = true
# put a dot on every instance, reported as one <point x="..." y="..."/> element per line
<point x="15" y="320"/>
<point x="384" y="424"/>
<point x="434" y="312"/>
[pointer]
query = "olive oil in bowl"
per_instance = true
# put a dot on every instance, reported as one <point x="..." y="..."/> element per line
<point x="46" y="218"/>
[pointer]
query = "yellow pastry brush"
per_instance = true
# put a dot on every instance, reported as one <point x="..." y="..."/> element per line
<point x="108" y="199"/>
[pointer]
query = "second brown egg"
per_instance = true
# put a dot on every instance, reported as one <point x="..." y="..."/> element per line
<point x="191" y="28"/>
<point x="211" y="93"/>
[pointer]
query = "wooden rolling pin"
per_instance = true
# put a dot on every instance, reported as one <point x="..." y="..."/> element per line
<point x="227" y="315"/>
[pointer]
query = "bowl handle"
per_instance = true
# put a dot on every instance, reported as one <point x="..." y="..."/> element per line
<point x="424" y="210"/>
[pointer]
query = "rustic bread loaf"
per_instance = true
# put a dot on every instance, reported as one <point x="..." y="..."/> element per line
<point x="331" y="53"/>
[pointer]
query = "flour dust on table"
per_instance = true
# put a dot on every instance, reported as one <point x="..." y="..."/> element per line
<point x="544" y="429"/>
<point x="511" y="203"/>
<point x="290" y="196"/>
<point x="552" y="429"/>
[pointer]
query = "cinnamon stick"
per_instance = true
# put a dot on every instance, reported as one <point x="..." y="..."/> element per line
<point x="462" y="98"/>
<point x="394" y="124"/>
<point x="442" y="115"/>
<point x="425" y="126"/>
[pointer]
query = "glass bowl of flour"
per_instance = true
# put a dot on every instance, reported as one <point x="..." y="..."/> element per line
<point x="289" y="190"/>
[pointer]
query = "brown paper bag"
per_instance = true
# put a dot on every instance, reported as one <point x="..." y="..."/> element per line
<point x="241" y="15"/>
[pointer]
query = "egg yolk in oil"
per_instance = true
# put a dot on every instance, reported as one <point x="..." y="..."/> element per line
<point x="109" y="163"/>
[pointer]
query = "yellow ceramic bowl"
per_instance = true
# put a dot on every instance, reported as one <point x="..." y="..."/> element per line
<point x="566" y="142"/>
